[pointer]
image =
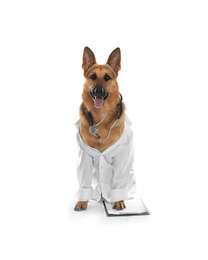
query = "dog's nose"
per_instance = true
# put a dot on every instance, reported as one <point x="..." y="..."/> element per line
<point x="99" y="90"/>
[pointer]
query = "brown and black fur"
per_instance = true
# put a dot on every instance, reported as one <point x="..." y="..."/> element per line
<point x="103" y="73"/>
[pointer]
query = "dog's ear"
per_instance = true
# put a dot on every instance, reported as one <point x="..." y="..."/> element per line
<point x="88" y="59"/>
<point x="114" y="60"/>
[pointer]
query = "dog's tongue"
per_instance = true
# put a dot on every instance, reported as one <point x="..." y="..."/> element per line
<point x="98" y="102"/>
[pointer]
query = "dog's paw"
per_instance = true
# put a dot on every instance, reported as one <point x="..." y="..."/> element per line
<point x="119" y="205"/>
<point x="80" y="205"/>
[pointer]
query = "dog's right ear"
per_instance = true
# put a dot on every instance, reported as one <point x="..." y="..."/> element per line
<point x="88" y="59"/>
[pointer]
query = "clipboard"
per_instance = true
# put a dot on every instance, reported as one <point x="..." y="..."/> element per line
<point x="134" y="207"/>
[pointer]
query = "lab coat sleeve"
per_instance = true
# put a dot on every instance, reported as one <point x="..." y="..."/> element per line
<point x="84" y="174"/>
<point x="123" y="175"/>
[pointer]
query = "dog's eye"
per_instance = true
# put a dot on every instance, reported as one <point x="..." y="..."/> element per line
<point x="107" y="77"/>
<point x="93" y="77"/>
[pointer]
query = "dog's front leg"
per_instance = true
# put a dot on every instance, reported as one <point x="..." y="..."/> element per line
<point x="84" y="174"/>
<point x="123" y="181"/>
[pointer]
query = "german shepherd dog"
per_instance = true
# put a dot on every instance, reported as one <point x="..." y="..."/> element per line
<point x="102" y="112"/>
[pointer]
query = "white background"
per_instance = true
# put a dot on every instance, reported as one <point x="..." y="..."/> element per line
<point x="164" y="83"/>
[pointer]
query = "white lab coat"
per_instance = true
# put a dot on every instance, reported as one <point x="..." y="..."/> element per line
<point x="108" y="174"/>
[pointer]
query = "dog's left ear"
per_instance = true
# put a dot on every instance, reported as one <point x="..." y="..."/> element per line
<point x="114" y="60"/>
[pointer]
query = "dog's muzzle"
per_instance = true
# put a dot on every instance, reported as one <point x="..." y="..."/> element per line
<point x="99" y="95"/>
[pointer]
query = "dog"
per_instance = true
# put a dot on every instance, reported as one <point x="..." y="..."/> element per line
<point x="104" y="136"/>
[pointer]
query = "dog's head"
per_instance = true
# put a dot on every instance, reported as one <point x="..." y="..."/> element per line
<point x="100" y="88"/>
